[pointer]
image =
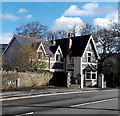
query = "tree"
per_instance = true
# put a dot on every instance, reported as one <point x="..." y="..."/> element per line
<point x="23" y="58"/>
<point x="33" y="29"/>
<point x="106" y="44"/>
<point x="87" y="29"/>
<point x="56" y="35"/>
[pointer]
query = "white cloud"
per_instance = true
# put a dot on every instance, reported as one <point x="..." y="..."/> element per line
<point x="22" y="10"/>
<point x="87" y="10"/>
<point x="66" y="23"/>
<point x="5" y="38"/>
<point x="10" y="17"/>
<point x="107" y="21"/>
<point x="28" y="16"/>
<point x="101" y="22"/>
<point x="112" y="16"/>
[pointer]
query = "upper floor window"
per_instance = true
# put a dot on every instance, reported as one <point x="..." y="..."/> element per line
<point x="89" y="57"/>
<point x="39" y="55"/>
<point x="57" y="57"/>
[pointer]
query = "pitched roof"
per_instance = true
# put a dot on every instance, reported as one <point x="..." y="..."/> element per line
<point x="47" y="45"/>
<point x="31" y="41"/>
<point x="22" y="39"/>
<point x="63" y="45"/>
<point x="90" y="68"/>
<point x="79" y="44"/>
<point x="53" y="49"/>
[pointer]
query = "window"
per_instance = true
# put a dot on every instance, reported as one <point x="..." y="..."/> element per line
<point x="89" y="57"/>
<point x="39" y="55"/>
<point x="57" y="57"/>
<point x="88" y="75"/>
<point x="93" y="76"/>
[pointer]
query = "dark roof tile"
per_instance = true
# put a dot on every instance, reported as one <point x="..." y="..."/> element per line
<point x="79" y="44"/>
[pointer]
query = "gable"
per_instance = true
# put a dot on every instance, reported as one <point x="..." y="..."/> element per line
<point x="79" y="44"/>
<point x="13" y="44"/>
<point x="59" y="51"/>
<point x="90" y="47"/>
<point x="41" y="49"/>
<point x="63" y="45"/>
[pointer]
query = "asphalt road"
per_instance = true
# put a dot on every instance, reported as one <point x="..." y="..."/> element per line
<point x="99" y="102"/>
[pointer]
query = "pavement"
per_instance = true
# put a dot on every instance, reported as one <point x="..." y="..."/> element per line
<point x="39" y="91"/>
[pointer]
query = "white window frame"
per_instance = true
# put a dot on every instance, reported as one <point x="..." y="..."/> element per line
<point x="90" y="57"/>
<point x="90" y="75"/>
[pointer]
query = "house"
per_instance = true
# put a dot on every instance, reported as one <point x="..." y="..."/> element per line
<point x="76" y="55"/>
<point x="2" y="48"/>
<point x="44" y="49"/>
<point x="81" y="52"/>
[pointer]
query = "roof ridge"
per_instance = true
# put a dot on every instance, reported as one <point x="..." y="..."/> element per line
<point x="31" y="37"/>
<point x="73" y="37"/>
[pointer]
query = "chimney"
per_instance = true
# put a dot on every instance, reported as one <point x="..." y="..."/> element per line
<point x="53" y="40"/>
<point x="69" y="40"/>
<point x="69" y="43"/>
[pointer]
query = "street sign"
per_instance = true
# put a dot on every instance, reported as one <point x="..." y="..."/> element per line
<point x="70" y="67"/>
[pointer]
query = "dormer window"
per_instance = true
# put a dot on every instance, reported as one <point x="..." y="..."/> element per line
<point x="89" y="57"/>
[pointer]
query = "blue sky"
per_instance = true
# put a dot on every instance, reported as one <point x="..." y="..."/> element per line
<point x="55" y="15"/>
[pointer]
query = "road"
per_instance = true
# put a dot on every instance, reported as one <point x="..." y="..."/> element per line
<point x="97" y="102"/>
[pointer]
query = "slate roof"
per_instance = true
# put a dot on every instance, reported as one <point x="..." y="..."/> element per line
<point x="78" y="45"/>
<point x="53" y="49"/>
<point x="63" y="45"/>
<point x="31" y="40"/>
<point x="34" y="42"/>
<point x="90" y="68"/>
<point x="47" y="46"/>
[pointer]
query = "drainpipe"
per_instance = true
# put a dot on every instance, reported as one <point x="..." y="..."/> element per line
<point x="49" y="62"/>
<point x="82" y="78"/>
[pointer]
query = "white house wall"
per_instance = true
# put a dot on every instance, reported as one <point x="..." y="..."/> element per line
<point x="77" y="65"/>
<point x="89" y="49"/>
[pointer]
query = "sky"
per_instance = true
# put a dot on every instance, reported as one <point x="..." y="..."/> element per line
<point x="56" y="15"/>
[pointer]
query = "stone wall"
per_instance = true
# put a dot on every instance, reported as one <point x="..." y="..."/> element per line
<point x="13" y="79"/>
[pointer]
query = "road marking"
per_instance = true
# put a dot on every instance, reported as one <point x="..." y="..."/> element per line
<point x="93" y="102"/>
<point x="43" y="95"/>
<point x="28" y="113"/>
